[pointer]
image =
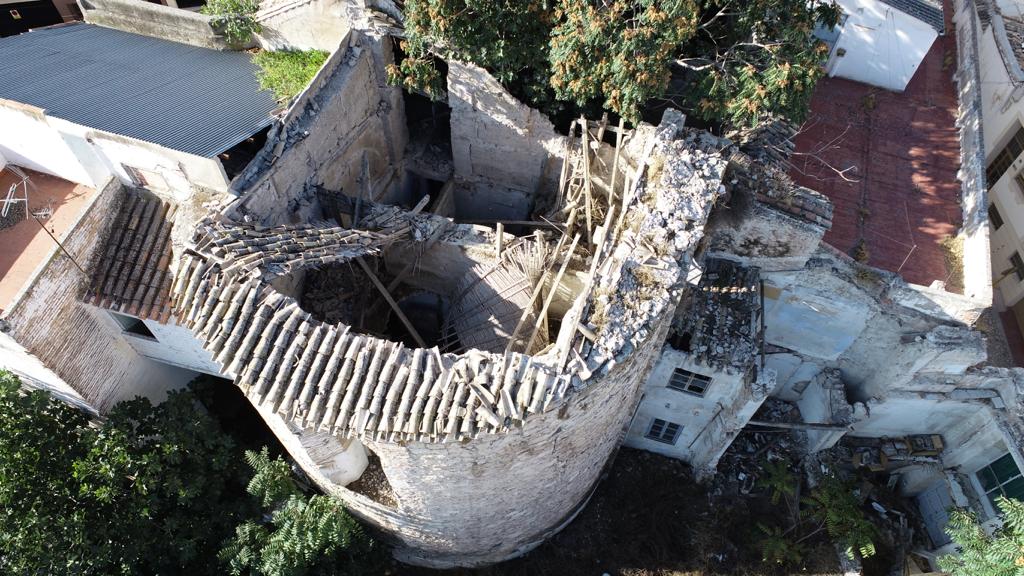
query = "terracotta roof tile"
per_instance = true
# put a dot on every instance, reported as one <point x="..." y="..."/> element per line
<point x="132" y="275"/>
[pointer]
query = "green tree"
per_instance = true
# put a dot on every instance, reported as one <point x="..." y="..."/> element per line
<point x="981" y="554"/>
<point x="302" y="535"/>
<point x="236" y="19"/>
<point x="742" y="62"/>
<point x="152" y="490"/>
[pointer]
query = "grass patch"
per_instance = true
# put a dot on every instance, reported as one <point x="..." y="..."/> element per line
<point x="287" y="72"/>
<point x="953" y="251"/>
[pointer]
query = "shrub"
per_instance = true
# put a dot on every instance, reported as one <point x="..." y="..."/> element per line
<point x="300" y="535"/>
<point x="236" y="19"/>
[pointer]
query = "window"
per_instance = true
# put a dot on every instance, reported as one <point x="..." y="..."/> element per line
<point x="1018" y="265"/>
<point x="689" y="382"/>
<point x="994" y="217"/>
<point x="1002" y="161"/>
<point x="132" y="325"/>
<point x="1002" y="478"/>
<point x="662" y="431"/>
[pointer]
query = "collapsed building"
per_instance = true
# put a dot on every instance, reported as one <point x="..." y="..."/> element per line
<point x="452" y="315"/>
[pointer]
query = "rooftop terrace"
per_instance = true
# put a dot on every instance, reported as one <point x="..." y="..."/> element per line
<point x="25" y="245"/>
<point x="900" y="193"/>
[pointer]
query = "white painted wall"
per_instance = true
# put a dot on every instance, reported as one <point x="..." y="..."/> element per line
<point x="813" y="320"/>
<point x="80" y="154"/>
<point x="174" y="345"/>
<point x="27" y="139"/>
<point x="3" y="161"/>
<point x="693" y="413"/>
<point x="302" y="24"/>
<point x="1002" y="115"/>
<point x="34" y="374"/>
<point x="883" y="46"/>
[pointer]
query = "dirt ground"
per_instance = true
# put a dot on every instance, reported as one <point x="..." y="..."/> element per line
<point x="649" y="517"/>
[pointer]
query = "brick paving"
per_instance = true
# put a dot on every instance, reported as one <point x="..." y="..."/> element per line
<point x="24" y="246"/>
<point x="904" y="154"/>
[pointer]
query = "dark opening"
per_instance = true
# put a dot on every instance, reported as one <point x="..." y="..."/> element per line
<point x="24" y="16"/>
<point x="680" y="342"/>
<point x="236" y="158"/>
<point x="426" y="312"/>
<point x="132" y="325"/>
<point x="235" y="414"/>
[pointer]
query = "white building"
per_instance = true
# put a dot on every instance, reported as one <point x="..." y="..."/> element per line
<point x="882" y="42"/>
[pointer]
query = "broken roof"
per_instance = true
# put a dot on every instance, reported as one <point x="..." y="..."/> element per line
<point x="718" y="316"/>
<point x="132" y="275"/>
<point x="190" y="99"/>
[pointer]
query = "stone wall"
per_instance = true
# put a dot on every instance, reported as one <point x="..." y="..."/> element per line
<point x="501" y="495"/>
<point x="977" y="263"/>
<point x="348" y="117"/>
<point x="506" y="154"/>
<point x="68" y="337"/>
<point x="157" y="20"/>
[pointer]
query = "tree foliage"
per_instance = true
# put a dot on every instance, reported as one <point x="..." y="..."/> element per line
<point x="152" y="490"/>
<point x="743" y="61"/>
<point x="981" y="554"/>
<point x="303" y="535"/>
<point x="834" y="502"/>
<point x="287" y="72"/>
<point x="236" y="19"/>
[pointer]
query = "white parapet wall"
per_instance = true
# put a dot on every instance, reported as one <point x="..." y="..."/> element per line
<point x="879" y="45"/>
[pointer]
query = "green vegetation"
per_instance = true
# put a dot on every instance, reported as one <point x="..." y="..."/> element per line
<point x="832" y="506"/>
<point x="981" y="554"/>
<point x="287" y="72"/>
<point x="304" y="535"/>
<point x="740" y="62"/>
<point x="235" y="19"/>
<point x="152" y="490"/>
<point x="834" y="502"/>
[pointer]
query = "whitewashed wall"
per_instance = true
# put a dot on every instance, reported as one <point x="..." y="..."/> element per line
<point x="1002" y="114"/>
<point x="883" y="46"/>
<point x="693" y="413"/>
<point x="80" y="154"/>
<point x="302" y="24"/>
<point x="27" y="139"/>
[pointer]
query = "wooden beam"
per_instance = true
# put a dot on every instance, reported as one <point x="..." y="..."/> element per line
<point x="394" y="305"/>
<point x="799" y="425"/>
<point x="551" y="294"/>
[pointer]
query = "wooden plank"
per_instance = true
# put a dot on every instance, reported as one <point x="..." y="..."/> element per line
<point x="391" y="301"/>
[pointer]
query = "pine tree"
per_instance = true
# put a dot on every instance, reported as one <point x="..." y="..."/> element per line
<point x="981" y="554"/>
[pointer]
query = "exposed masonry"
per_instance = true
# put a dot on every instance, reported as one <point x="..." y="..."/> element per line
<point x="716" y="320"/>
<point x="132" y="276"/>
<point x="326" y="378"/>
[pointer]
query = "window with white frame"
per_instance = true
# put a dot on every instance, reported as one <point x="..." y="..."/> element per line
<point x="663" y="431"/>
<point x="132" y="325"/>
<point x="689" y="382"/>
<point x="1002" y="478"/>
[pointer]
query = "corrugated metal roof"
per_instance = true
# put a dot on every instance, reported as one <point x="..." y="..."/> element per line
<point x="186" y="98"/>
<point x="927" y="11"/>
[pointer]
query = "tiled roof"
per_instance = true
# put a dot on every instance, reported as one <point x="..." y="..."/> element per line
<point x="186" y="98"/>
<point x="927" y="11"/>
<point x="132" y="275"/>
